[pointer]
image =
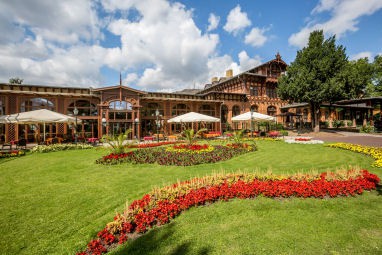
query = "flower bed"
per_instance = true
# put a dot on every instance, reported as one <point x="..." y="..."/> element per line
<point x="303" y="140"/>
<point x="179" y="155"/>
<point x="150" y="145"/>
<point x="60" y="147"/>
<point x="374" y="152"/>
<point x="11" y="154"/>
<point x="161" y="205"/>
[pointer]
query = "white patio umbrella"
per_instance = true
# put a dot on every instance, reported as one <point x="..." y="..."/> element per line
<point x="43" y="116"/>
<point x="255" y="116"/>
<point x="193" y="117"/>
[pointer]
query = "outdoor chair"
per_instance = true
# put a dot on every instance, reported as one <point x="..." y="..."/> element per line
<point x="21" y="144"/>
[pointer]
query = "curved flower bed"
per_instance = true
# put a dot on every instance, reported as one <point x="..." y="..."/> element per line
<point x="179" y="155"/>
<point x="374" y="152"/>
<point x="161" y="205"/>
<point x="150" y="145"/>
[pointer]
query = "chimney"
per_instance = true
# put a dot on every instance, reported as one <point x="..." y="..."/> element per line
<point x="214" y="80"/>
<point x="229" y="73"/>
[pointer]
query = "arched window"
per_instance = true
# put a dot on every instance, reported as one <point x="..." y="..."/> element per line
<point x="224" y="114"/>
<point x="255" y="108"/>
<point x="36" y="104"/>
<point x="120" y="105"/>
<point x="180" y="109"/>
<point x="84" y="107"/>
<point x="207" y="110"/>
<point x="235" y="110"/>
<point x="149" y="109"/>
<point x="271" y="110"/>
<point x="2" y="106"/>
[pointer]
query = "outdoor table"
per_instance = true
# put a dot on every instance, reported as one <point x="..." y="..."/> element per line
<point x="171" y="138"/>
<point x="148" y="138"/>
<point x="93" y="140"/>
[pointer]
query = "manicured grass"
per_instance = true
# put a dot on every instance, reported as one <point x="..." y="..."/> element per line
<point x="56" y="202"/>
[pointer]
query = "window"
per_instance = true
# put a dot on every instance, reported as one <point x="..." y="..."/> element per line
<point x="120" y="105"/>
<point x="36" y="104"/>
<point x="254" y="91"/>
<point x="179" y="109"/>
<point x="84" y="107"/>
<point x="271" y="92"/>
<point x="207" y="110"/>
<point x="255" y="108"/>
<point x="235" y="110"/>
<point x="271" y="110"/>
<point x="224" y="114"/>
<point x="2" y="106"/>
<point x="149" y="109"/>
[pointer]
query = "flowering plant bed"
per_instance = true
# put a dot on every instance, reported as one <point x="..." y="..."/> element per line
<point x="61" y="147"/>
<point x="179" y="155"/>
<point x="303" y="140"/>
<point x="150" y="145"/>
<point x="375" y="152"/>
<point x="11" y="154"/>
<point x="162" y="204"/>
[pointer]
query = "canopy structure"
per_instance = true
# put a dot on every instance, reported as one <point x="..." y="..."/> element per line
<point x="255" y="116"/>
<point x="38" y="116"/>
<point x="193" y="117"/>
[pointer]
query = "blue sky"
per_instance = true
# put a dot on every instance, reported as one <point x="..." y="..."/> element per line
<point x="161" y="45"/>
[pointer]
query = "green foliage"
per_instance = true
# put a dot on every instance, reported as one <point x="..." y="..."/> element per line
<point x="16" y="80"/>
<point x="237" y="136"/>
<point x="190" y="135"/>
<point x="375" y="88"/>
<point x="315" y="75"/>
<point x="356" y="76"/>
<point x="116" y="142"/>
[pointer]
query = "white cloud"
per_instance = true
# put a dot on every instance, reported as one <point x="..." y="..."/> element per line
<point x="365" y="54"/>
<point x="213" y="21"/>
<point x="246" y="62"/>
<point x="345" y="16"/>
<point x="236" y="21"/>
<point x="256" y="37"/>
<point x="166" y="42"/>
<point x="59" y="21"/>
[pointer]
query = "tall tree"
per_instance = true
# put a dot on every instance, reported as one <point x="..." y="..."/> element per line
<point x="377" y="75"/>
<point x="356" y="77"/>
<point x="315" y="75"/>
<point x="16" y="80"/>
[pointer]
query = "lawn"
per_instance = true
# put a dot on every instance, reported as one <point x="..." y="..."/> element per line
<point x="55" y="203"/>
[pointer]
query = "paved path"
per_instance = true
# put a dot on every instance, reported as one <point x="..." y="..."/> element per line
<point x="349" y="137"/>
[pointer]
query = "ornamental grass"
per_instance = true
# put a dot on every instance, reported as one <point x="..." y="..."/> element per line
<point x="163" y="204"/>
<point x="375" y="152"/>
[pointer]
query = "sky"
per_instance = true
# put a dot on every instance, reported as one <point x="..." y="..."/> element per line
<point x="159" y="45"/>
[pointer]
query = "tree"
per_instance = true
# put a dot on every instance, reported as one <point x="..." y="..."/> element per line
<point x="16" y="80"/>
<point x="356" y="77"/>
<point x="316" y="75"/>
<point x="377" y="76"/>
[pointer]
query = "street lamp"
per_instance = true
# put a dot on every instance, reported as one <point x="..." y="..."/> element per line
<point x="75" y="112"/>
<point x="158" y="123"/>
<point x="251" y="122"/>
<point x="136" y="121"/>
